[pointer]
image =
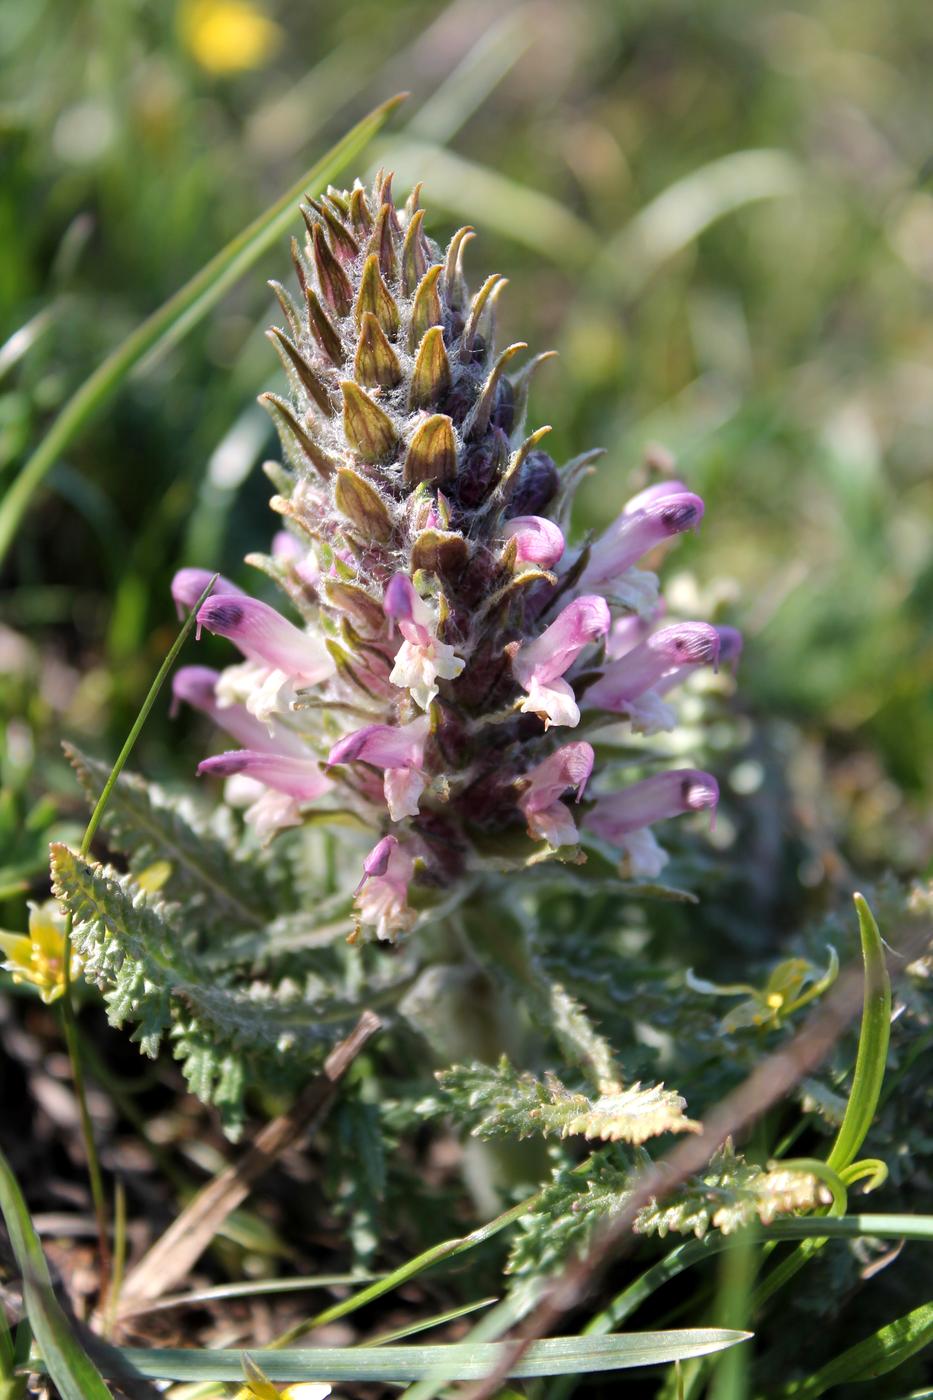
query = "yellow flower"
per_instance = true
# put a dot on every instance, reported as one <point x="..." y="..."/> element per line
<point x="227" y="36"/>
<point x="791" y="985"/>
<point x="38" y="956"/>
<point x="259" y="1387"/>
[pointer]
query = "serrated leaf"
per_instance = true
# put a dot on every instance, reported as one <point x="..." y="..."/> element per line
<point x="731" y="1194"/>
<point x="500" y="1102"/>
<point x="149" y="825"/>
<point x="134" y="952"/>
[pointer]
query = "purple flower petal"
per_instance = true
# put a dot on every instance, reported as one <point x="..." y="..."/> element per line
<point x="263" y="634"/>
<point x="675" y="649"/>
<point x="634" y="533"/>
<point x="189" y="584"/>
<point x="300" y="778"/>
<point x="652" y="800"/>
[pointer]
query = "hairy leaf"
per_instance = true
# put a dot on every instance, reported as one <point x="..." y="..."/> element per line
<point x="500" y="1102"/>
<point x="149" y="825"/>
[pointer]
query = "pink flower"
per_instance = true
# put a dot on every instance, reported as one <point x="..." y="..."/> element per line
<point x="262" y="634"/>
<point x="538" y="541"/>
<point x="382" y="894"/>
<point x="623" y="818"/>
<point x="189" y="584"/>
<point x="300" y="778"/>
<point x="548" y="819"/>
<point x="671" y="651"/>
<point x="634" y="532"/>
<point x="196" y="686"/>
<point x="289" y="782"/>
<point x="539" y="665"/>
<point x="421" y="658"/>
<point x="399" y="751"/>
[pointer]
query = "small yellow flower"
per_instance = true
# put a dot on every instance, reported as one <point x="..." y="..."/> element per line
<point x="38" y="957"/>
<point x="227" y="36"/>
<point x="791" y="985"/>
<point x="259" y="1387"/>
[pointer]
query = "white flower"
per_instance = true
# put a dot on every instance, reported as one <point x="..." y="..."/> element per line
<point x="418" y="664"/>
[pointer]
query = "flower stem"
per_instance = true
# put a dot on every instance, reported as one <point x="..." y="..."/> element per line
<point x="69" y="1021"/>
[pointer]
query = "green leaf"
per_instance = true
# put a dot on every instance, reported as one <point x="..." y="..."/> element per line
<point x="500" y="1102"/>
<point x="149" y="825"/>
<point x="554" y="1356"/>
<point x="72" y="1370"/>
<point x="878" y="1354"/>
<point x="177" y="316"/>
<point x="874" y="1037"/>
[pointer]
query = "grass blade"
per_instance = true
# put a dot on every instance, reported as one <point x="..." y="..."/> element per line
<point x="878" y="1354"/>
<point x="72" y="1370"/>
<point x="176" y="317"/>
<point x="461" y="1361"/>
<point x="872" y="1053"/>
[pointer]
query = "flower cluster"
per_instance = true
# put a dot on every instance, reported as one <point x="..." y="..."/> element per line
<point x="449" y="633"/>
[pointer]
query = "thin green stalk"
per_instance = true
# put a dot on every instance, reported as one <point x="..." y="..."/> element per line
<point x="867" y="1081"/>
<point x="69" y="1020"/>
<point x="175" y="318"/>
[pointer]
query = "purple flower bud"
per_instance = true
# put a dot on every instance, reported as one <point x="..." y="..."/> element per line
<point x="264" y="635"/>
<point x="539" y="541"/>
<point x="189" y="584"/>
<point x="730" y="644"/>
<point x="634" y="533"/>
<point x="300" y="778"/>
<point x="538" y="480"/>
<point x="382" y="894"/>
<point x="377" y="862"/>
<point x="653" y="800"/>
<point x="403" y="605"/>
<point x="677" y="648"/>
<point x="384" y="745"/>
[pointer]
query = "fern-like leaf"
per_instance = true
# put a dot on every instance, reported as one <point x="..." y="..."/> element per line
<point x="500" y="1102"/>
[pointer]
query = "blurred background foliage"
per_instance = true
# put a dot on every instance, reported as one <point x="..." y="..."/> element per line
<point x="721" y="215"/>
